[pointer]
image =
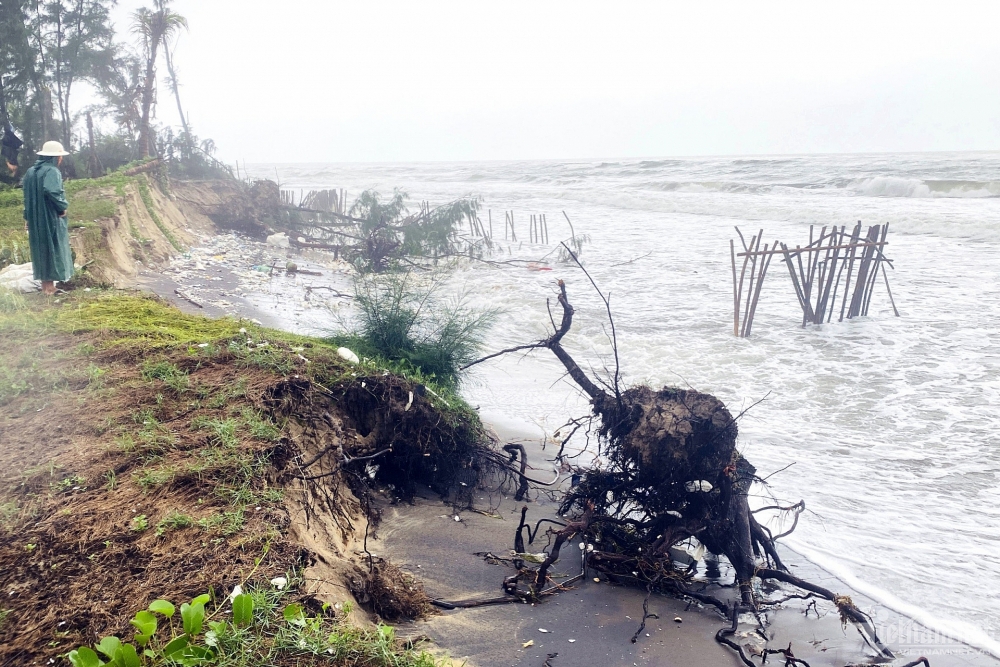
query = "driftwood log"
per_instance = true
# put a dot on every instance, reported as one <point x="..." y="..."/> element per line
<point x="673" y="473"/>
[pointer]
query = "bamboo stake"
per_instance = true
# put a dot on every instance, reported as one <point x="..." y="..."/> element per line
<point x="805" y="288"/>
<point x="807" y="281"/>
<point x="760" y="283"/>
<point x="742" y="240"/>
<point x="806" y="308"/>
<point x="572" y="233"/>
<point x="850" y="268"/>
<point x="878" y="266"/>
<point x="746" y="260"/>
<point x="832" y="258"/>
<point x="840" y="271"/>
<point x="736" y="295"/>
<point x="861" y="282"/>
<point x="753" y="275"/>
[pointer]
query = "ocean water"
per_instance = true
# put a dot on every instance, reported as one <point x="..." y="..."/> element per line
<point x="890" y="426"/>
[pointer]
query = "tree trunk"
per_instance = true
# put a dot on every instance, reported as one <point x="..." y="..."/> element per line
<point x="177" y="95"/>
<point x="92" y="165"/>
<point x="148" y="88"/>
<point x="4" y="116"/>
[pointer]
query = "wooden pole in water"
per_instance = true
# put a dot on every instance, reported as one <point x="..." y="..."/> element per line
<point x="760" y="283"/>
<point x="834" y="255"/>
<point x="572" y="233"/>
<point x="878" y="265"/>
<point x="736" y="294"/>
<point x="746" y="260"/>
<point x="795" y="282"/>
<point x="835" y="281"/>
<point x="755" y="246"/>
<point x="807" y="278"/>
<point x="805" y="287"/>
<point x="855" y="234"/>
<point x="861" y="282"/>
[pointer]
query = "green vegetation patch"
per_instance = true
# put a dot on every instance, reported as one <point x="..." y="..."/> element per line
<point x="257" y="627"/>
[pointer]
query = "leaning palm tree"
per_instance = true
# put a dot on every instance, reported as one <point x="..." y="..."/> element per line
<point x="155" y="27"/>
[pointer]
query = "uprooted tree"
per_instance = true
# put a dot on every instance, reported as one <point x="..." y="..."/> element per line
<point x="376" y="234"/>
<point x="673" y="473"/>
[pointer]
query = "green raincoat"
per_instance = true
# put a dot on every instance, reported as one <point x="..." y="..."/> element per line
<point x="48" y="236"/>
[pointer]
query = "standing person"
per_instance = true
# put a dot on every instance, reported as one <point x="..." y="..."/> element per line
<point x="45" y="212"/>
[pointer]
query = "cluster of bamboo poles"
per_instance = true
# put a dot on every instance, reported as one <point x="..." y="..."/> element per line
<point x="508" y="230"/>
<point x="817" y="272"/>
<point x="538" y="228"/>
<point x="758" y="270"/>
<point x="476" y="227"/>
<point x="332" y="201"/>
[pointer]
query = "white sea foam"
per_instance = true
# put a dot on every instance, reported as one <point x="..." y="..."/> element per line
<point x="892" y="423"/>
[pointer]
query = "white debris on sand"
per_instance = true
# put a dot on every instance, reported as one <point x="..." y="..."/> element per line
<point x="19" y="278"/>
<point x="247" y="278"/>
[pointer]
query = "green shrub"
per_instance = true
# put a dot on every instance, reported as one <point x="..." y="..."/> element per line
<point x="259" y="632"/>
<point x="403" y="322"/>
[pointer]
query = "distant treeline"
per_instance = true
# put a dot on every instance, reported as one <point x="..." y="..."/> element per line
<point x="50" y="48"/>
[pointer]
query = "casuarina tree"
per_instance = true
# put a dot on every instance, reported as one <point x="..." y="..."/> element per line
<point x="154" y="27"/>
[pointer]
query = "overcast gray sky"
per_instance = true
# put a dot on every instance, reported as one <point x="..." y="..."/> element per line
<point x="322" y="81"/>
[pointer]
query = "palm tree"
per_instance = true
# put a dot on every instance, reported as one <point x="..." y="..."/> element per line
<point x="155" y="27"/>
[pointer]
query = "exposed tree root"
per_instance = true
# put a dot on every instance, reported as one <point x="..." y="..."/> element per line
<point x="673" y="475"/>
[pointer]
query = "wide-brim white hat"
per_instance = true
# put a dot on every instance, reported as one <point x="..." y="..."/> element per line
<point x="52" y="149"/>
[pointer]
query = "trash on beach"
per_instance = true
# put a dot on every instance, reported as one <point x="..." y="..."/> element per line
<point x="542" y="630"/>
<point x="279" y="582"/>
<point x="530" y="642"/>
<point x="678" y="619"/>
<point x="279" y="240"/>
<point x="700" y="485"/>
<point x="409" y="403"/>
<point x="347" y="355"/>
<point x="531" y="558"/>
